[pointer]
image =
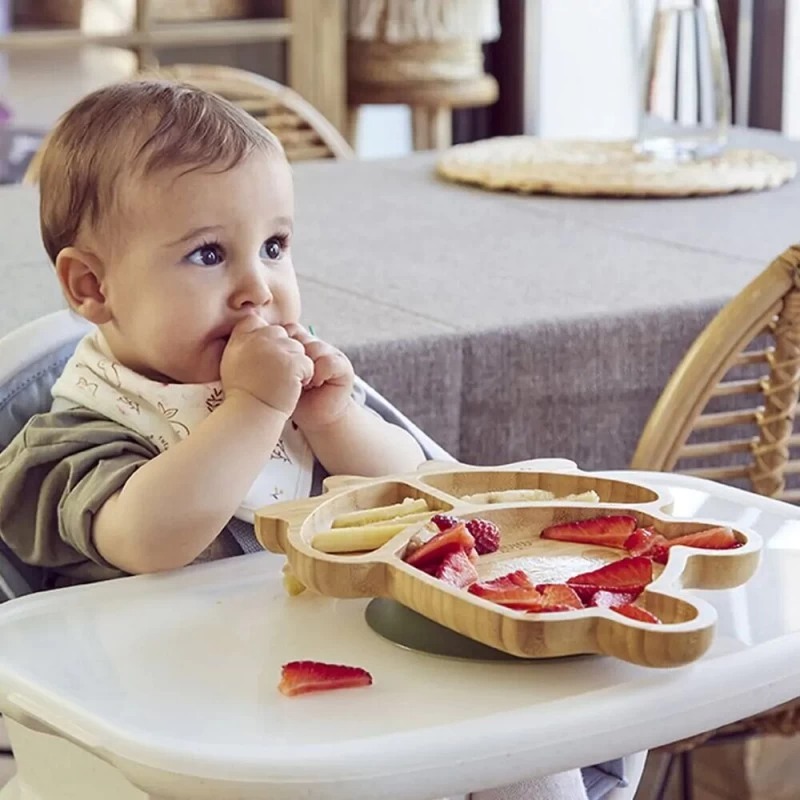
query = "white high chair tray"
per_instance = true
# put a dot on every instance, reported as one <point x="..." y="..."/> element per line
<point x="172" y="679"/>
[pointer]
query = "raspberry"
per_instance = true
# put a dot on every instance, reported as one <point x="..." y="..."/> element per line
<point x="486" y="535"/>
<point x="444" y="521"/>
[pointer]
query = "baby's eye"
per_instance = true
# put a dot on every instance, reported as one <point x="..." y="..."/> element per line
<point x="273" y="248"/>
<point x="209" y="255"/>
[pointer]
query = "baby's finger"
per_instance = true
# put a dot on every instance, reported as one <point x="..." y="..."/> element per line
<point x="305" y="368"/>
<point x="248" y="324"/>
<point x="328" y="368"/>
<point x="317" y="349"/>
<point x="300" y="333"/>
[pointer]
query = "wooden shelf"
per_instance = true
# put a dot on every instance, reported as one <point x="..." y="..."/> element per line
<point x="162" y="35"/>
<point x="315" y="30"/>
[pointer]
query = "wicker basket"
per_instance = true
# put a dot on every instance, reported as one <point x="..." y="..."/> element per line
<point x="421" y="45"/>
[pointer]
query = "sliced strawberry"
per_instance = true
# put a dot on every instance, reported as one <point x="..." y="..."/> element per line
<point x="302" y="677"/>
<point x="711" y="539"/>
<point x="515" y="587"/>
<point x="437" y="549"/>
<point x="611" y="531"/>
<point x="505" y="583"/>
<point x="626" y="574"/>
<point x="559" y="594"/>
<point x="551" y="597"/>
<point x="473" y="556"/>
<point x="605" y="599"/>
<point x="635" y="612"/>
<point x="457" y="569"/>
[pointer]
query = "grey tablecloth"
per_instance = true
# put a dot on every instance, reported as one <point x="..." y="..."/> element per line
<point x="507" y="327"/>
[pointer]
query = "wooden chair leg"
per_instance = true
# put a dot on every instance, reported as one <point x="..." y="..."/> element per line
<point x="432" y="128"/>
<point x="420" y="128"/>
<point x="351" y="133"/>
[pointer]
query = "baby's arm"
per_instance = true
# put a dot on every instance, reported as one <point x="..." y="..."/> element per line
<point x="174" y="506"/>
<point x="347" y="438"/>
<point x="361" y="443"/>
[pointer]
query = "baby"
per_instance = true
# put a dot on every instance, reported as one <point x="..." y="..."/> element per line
<point x="198" y="396"/>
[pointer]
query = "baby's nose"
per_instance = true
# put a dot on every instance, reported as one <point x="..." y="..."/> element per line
<point x="253" y="288"/>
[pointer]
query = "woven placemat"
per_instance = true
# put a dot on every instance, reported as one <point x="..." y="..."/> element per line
<point x="546" y="166"/>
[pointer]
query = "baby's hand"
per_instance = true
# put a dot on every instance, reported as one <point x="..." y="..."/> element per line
<point x="327" y="395"/>
<point x="266" y="363"/>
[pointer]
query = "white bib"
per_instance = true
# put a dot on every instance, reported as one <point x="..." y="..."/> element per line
<point x="166" y="413"/>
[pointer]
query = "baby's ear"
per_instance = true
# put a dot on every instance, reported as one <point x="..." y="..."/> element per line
<point x="80" y="274"/>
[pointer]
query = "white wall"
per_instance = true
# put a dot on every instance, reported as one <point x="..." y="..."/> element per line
<point x="583" y="76"/>
<point x="383" y="132"/>
<point x="791" y="71"/>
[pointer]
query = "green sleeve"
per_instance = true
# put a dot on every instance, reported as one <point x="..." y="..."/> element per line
<point x="54" y="477"/>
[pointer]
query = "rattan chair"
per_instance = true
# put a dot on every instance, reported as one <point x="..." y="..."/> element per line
<point x="304" y="133"/>
<point x="728" y="414"/>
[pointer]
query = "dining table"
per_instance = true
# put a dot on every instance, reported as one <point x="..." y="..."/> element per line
<point x="506" y="326"/>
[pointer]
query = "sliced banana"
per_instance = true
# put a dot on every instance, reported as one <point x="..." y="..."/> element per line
<point x="589" y="496"/>
<point x="291" y="584"/>
<point x="383" y="513"/>
<point x="511" y="496"/>
<point x="362" y="537"/>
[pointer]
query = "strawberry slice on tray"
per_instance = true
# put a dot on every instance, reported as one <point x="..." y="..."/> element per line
<point x="304" y="677"/>
<point x="559" y="594"/>
<point x="435" y="550"/>
<point x="710" y="539"/>
<point x="510" y="582"/>
<point x="516" y="591"/>
<point x="457" y="569"/>
<point x="628" y="574"/>
<point x="637" y="613"/>
<point x="609" y="531"/>
<point x="646" y="542"/>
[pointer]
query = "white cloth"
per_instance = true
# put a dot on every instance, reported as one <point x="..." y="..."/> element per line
<point x="561" y="786"/>
<point x="166" y="413"/>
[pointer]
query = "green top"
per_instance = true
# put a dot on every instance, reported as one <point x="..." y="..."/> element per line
<point x="55" y="476"/>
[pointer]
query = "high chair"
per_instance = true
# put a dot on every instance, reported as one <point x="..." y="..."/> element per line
<point x="31" y="358"/>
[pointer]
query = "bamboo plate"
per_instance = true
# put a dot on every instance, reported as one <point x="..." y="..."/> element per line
<point x="688" y="623"/>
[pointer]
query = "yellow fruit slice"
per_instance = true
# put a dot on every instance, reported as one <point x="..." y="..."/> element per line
<point x="362" y="537"/>
<point x="383" y="513"/>
<point x="291" y="584"/>
<point x="590" y="496"/>
<point x="511" y="496"/>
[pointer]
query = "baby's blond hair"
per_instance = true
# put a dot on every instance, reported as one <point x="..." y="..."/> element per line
<point x="128" y="130"/>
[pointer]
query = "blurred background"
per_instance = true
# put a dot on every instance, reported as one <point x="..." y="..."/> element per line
<point x="563" y="67"/>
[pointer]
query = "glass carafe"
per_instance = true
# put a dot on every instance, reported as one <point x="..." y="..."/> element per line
<point x="686" y="98"/>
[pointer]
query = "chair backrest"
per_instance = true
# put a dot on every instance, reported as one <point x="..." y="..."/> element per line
<point x="303" y="131"/>
<point x="31" y="358"/>
<point x="728" y="412"/>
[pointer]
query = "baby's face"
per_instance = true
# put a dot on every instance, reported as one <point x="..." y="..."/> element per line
<point x="200" y="251"/>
